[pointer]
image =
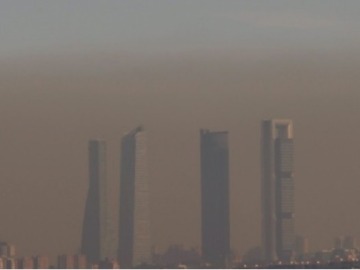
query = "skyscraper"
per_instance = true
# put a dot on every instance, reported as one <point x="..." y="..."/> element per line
<point x="277" y="189"/>
<point x="95" y="227"/>
<point x="134" y="223"/>
<point x="215" y="226"/>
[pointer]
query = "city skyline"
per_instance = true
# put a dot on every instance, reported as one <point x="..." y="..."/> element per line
<point x="277" y="196"/>
<point x="75" y="70"/>
<point x="195" y="241"/>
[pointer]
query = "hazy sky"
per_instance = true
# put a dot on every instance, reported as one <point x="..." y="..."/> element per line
<point x="170" y="26"/>
<point x="75" y="70"/>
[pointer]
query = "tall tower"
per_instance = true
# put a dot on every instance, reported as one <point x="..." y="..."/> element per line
<point x="277" y="189"/>
<point x="215" y="225"/>
<point x="95" y="226"/>
<point x="134" y="223"/>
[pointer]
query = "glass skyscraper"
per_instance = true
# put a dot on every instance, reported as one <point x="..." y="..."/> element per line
<point x="134" y="224"/>
<point x="277" y="188"/>
<point x="215" y="225"/>
<point x="95" y="239"/>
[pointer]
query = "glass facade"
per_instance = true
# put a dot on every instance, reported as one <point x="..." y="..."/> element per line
<point x="277" y="189"/>
<point x="285" y="197"/>
<point x="95" y="238"/>
<point x="134" y="223"/>
<point x="215" y="226"/>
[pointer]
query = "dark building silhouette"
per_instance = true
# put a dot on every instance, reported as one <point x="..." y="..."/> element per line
<point x="215" y="226"/>
<point x="134" y="224"/>
<point x="95" y="226"/>
<point x="277" y="189"/>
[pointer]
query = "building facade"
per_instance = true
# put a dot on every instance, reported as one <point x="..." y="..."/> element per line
<point x="80" y="261"/>
<point x="134" y="222"/>
<point x="41" y="262"/>
<point x="25" y="263"/>
<point x="66" y="261"/>
<point x="349" y="242"/>
<point x="6" y="249"/>
<point x="215" y="225"/>
<point x="277" y="189"/>
<point x="95" y="240"/>
<point x="301" y="247"/>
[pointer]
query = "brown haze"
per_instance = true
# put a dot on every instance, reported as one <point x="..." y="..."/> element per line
<point x="51" y="106"/>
